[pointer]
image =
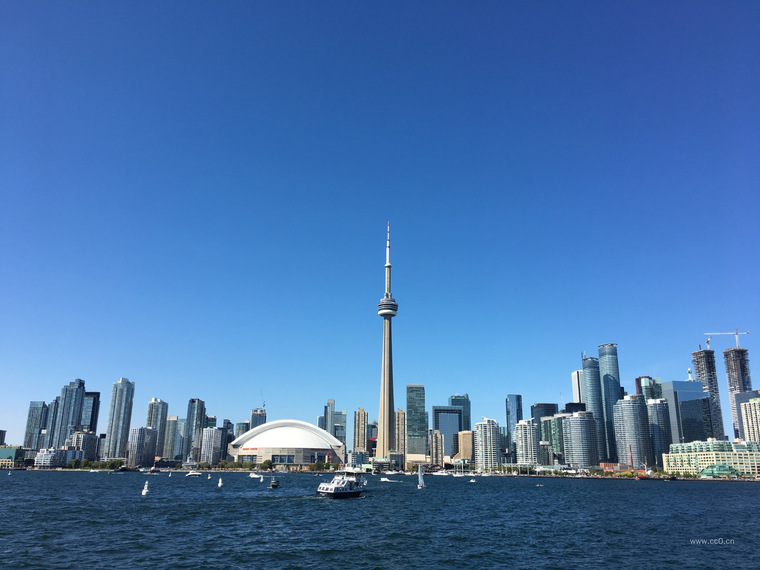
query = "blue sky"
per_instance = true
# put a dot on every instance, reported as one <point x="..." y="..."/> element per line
<point x="195" y="195"/>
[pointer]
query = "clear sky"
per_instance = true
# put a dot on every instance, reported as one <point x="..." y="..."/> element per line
<point x="194" y="196"/>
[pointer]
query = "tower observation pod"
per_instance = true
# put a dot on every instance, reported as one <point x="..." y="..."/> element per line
<point x="386" y="308"/>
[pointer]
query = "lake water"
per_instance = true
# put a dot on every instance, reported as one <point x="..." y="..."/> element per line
<point x="101" y="520"/>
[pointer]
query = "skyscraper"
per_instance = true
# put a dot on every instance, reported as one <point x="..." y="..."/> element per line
<point x="579" y="436"/>
<point x="739" y="380"/>
<point x="194" y="426"/>
<point x="69" y="415"/>
<point x="632" y="431"/>
<point x="400" y="435"/>
<point x="258" y="417"/>
<point x="704" y="367"/>
<point x="487" y="444"/>
<point x="119" y="418"/>
<point x="448" y="421"/>
<point x="750" y="412"/>
<point x="36" y="421"/>
<point x="360" y="430"/>
<point x="464" y="403"/>
<point x="538" y="411"/>
<point x="211" y="445"/>
<point x="592" y="396"/>
<point x="142" y="447"/>
<point x="158" y="410"/>
<point x="689" y="420"/>
<point x="610" y="375"/>
<point x="739" y="398"/>
<point x="386" y="308"/>
<point x="416" y="420"/>
<point x="659" y="428"/>
<point x="169" y="450"/>
<point x="90" y="411"/>
<point x="526" y="442"/>
<point x="577" y="380"/>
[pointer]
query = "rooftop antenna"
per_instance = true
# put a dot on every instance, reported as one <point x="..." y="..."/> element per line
<point x="263" y="403"/>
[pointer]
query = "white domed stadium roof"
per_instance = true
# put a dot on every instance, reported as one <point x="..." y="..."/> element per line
<point x="286" y="434"/>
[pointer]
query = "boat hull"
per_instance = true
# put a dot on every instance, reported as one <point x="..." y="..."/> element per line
<point x="340" y="494"/>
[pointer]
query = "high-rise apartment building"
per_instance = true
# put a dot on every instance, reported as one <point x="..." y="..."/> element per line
<point x="400" y="432"/>
<point x="650" y="388"/>
<point x="632" y="437"/>
<point x="740" y="398"/>
<point x="90" y="411"/>
<point x="448" y="421"/>
<point x="580" y="441"/>
<point x="119" y="419"/>
<point x="610" y="376"/>
<point x="387" y="308"/>
<point x="69" y="415"/>
<point x="659" y="428"/>
<point x="538" y="411"/>
<point x="514" y="415"/>
<point x="360" y="430"/>
<point x="158" y="411"/>
<point x="437" y="442"/>
<point x="464" y="403"/>
<point x="704" y="368"/>
<point x="739" y="380"/>
<point x="169" y="450"/>
<point x="466" y="441"/>
<point x="416" y="420"/>
<point x="750" y="412"/>
<point x="526" y="442"/>
<point x="36" y="423"/>
<point x="577" y="381"/>
<point x="241" y="428"/>
<point x="486" y="442"/>
<point x="689" y="410"/>
<point x="142" y="447"/>
<point x="211" y="445"/>
<point x="194" y="426"/>
<point x="593" y="397"/>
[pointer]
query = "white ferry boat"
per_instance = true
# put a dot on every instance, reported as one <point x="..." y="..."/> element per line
<point x="346" y="483"/>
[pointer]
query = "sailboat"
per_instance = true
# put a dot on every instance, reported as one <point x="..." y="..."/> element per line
<point x="220" y="482"/>
<point x="145" y="489"/>
<point x="420" y="479"/>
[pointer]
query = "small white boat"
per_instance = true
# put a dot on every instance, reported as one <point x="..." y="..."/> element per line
<point x="274" y="484"/>
<point x="170" y="473"/>
<point x="145" y="489"/>
<point x="257" y="476"/>
<point x="472" y="481"/>
<point x="420" y="477"/>
<point x="209" y="476"/>
<point x="220" y="482"/>
<point x="345" y="483"/>
<point x="193" y="474"/>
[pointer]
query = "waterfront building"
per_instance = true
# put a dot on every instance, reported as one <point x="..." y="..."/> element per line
<point x="36" y="422"/>
<point x="417" y="421"/>
<point x="552" y="428"/>
<point x="689" y="420"/>
<point x="577" y="381"/>
<point x="119" y="419"/>
<point x="142" y="447"/>
<point x="514" y="415"/>
<point x="158" y="411"/>
<point x="169" y="450"/>
<point x="593" y="397"/>
<point x="704" y="368"/>
<point x="50" y="458"/>
<point x="179" y="446"/>
<point x="85" y="441"/>
<point x="69" y="415"/>
<point x="258" y="417"/>
<point x="659" y="428"/>
<point x="545" y="453"/>
<point x="696" y="457"/>
<point x="448" y="421"/>
<point x="387" y="308"/>
<point x="400" y="435"/>
<point x="739" y="380"/>
<point x="195" y="423"/>
<point x="437" y="443"/>
<point x="740" y="398"/>
<point x="750" y="413"/>
<point x="464" y="403"/>
<point x="90" y="412"/>
<point x="580" y="441"/>
<point x="287" y="443"/>
<point x="360" y="430"/>
<point x="632" y="437"/>
<point x="211" y="445"/>
<point x="486" y="441"/>
<point x="538" y="411"/>
<point x="611" y="393"/>
<point x="526" y="442"/>
<point x="466" y="440"/>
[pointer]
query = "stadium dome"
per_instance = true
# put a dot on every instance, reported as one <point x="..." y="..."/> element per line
<point x="287" y="443"/>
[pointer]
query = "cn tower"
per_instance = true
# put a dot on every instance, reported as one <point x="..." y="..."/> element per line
<point x="386" y="308"/>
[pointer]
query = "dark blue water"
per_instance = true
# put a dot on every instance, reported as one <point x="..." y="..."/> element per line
<point x="100" y="520"/>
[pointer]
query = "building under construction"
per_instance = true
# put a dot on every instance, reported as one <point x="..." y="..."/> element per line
<point x="739" y="380"/>
<point x="704" y="368"/>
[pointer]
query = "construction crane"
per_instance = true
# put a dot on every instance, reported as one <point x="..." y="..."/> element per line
<point x="736" y="333"/>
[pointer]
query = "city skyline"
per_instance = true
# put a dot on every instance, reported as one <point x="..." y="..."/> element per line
<point x="558" y="177"/>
